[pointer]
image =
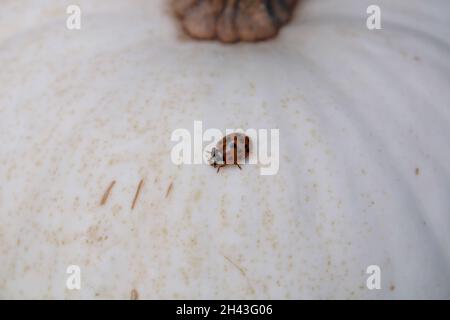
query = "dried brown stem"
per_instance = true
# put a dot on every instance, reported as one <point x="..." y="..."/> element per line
<point x="233" y="20"/>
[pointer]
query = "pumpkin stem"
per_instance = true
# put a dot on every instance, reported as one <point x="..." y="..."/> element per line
<point x="233" y="20"/>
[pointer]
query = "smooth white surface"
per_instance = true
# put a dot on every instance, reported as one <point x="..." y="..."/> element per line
<point x="358" y="111"/>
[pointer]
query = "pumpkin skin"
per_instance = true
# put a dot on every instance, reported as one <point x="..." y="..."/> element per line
<point x="364" y="170"/>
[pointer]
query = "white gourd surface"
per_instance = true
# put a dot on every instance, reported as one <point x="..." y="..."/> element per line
<point x="364" y="172"/>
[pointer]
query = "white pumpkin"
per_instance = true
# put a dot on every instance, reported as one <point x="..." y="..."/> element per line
<point x="364" y="159"/>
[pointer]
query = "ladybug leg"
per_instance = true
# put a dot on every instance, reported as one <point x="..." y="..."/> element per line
<point x="239" y="166"/>
<point x="220" y="166"/>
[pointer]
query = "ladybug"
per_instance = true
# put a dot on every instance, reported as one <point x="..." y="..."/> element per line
<point x="232" y="149"/>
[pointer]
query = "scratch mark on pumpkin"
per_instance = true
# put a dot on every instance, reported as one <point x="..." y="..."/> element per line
<point x="242" y="271"/>
<point x="169" y="189"/>
<point x="107" y="192"/>
<point x="138" y="190"/>
<point x="236" y="266"/>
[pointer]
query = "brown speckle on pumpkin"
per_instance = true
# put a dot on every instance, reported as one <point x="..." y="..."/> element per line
<point x="134" y="295"/>
<point x="417" y="171"/>
<point x="233" y="20"/>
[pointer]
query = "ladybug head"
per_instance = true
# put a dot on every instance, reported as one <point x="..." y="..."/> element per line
<point x="216" y="157"/>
